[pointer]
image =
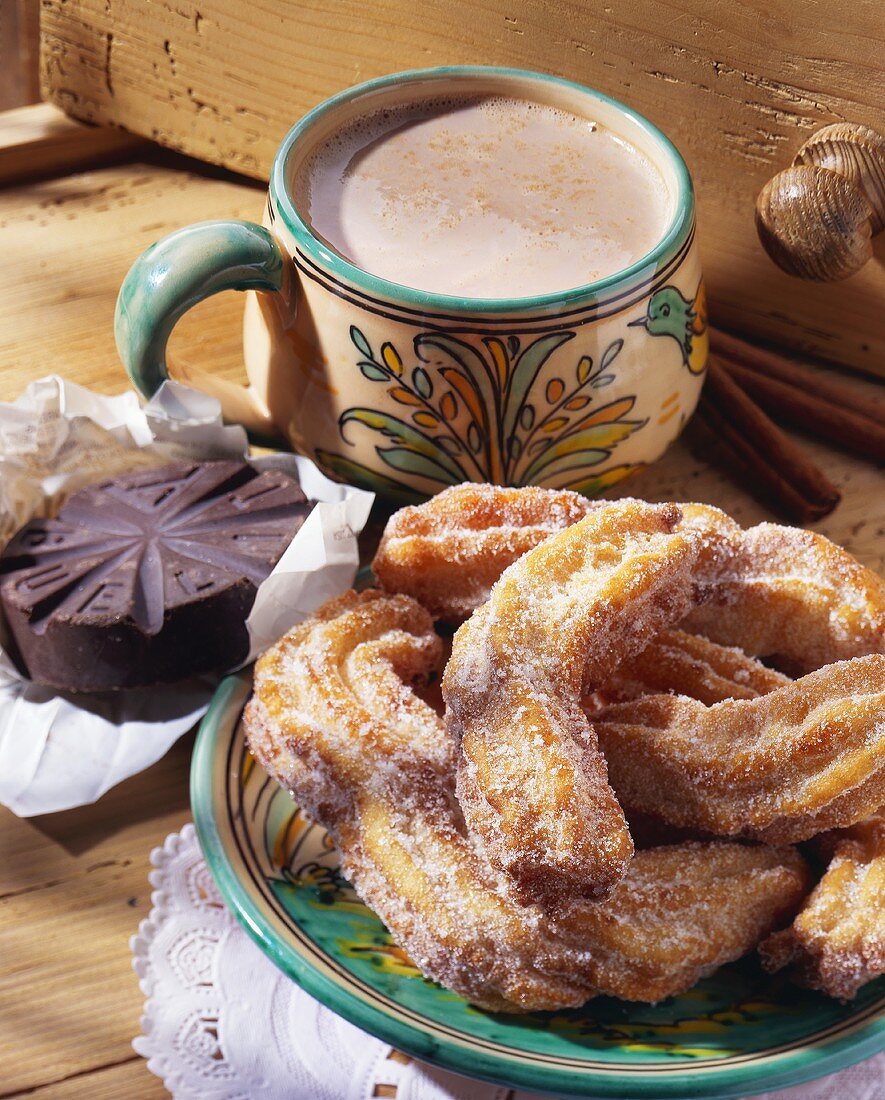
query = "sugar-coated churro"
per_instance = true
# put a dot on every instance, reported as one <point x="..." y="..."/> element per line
<point x="531" y="780"/>
<point x="793" y="595"/>
<point x="334" y="719"/>
<point x="448" y="552"/>
<point x="689" y="664"/>
<point x="837" y="942"/>
<point x="782" y="767"/>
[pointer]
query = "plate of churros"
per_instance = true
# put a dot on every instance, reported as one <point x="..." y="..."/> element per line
<point x="580" y="797"/>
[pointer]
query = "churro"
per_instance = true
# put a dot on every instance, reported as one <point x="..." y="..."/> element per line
<point x="772" y="591"/>
<point x="689" y="664"/>
<point x="531" y="780"/>
<point x="682" y="911"/>
<point x="492" y="841"/>
<point x="783" y="767"/>
<point x="448" y="552"/>
<point x="335" y="720"/>
<point x="793" y="595"/>
<point x="837" y="942"/>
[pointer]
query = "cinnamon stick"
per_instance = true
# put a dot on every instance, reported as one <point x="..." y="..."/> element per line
<point x="819" y="403"/>
<point x="774" y="365"/>
<point x="777" y="468"/>
<point x="804" y="409"/>
<point x="749" y="468"/>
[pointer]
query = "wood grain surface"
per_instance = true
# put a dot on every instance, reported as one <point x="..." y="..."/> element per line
<point x="739" y="86"/>
<point x="73" y="886"/>
<point x="68" y="243"/>
<point x="19" y="52"/>
<point x="42" y="140"/>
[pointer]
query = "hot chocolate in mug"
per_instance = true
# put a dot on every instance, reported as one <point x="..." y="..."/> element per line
<point x="406" y="390"/>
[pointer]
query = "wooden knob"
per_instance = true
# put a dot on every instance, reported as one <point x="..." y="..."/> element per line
<point x="816" y="218"/>
<point x="855" y="152"/>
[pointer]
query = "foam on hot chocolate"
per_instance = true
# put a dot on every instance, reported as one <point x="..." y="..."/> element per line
<point x="488" y="197"/>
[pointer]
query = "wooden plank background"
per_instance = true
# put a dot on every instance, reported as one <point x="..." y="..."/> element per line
<point x="19" y="50"/>
<point x="43" y="141"/>
<point x="738" y="86"/>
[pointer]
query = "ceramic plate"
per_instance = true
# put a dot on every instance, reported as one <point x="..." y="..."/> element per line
<point x="737" y="1033"/>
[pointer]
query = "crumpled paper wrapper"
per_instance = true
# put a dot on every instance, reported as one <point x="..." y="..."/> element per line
<point x="58" y="750"/>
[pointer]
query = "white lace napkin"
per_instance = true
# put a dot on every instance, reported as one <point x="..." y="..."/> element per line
<point x="222" y="1023"/>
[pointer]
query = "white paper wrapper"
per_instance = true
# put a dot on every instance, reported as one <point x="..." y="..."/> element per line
<point x="60" y="751"/>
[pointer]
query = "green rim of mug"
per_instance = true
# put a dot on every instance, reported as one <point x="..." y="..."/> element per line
<point x="676" y="234"/>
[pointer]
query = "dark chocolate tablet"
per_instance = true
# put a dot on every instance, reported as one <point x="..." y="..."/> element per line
<point x="149" y="577"/>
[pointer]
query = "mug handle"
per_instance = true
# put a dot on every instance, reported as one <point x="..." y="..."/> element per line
<point x="174" y="274"/>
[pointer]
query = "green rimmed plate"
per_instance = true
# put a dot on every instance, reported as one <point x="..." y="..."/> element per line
<point x="735" y="1034"/>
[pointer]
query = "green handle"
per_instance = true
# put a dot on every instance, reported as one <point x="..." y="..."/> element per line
<point x="176" y="273"/>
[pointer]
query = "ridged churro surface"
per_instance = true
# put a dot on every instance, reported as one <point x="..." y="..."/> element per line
<point x="448" y="552"/>
<point x="692" y="665"/>
<point x="783" y="767"/>
<point x="794" y="595"/>
<point x="334" y="719"/>
<point x="531" y="780"/>
<point x="837" y="942"/>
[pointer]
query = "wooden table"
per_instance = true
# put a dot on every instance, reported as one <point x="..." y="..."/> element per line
<point x="73" y="886"/>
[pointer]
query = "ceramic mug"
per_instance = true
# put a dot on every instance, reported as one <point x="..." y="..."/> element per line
<point x="404" y="391"/>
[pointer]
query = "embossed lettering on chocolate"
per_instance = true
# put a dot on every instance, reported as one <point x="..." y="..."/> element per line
<point x="147" y="578"/>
